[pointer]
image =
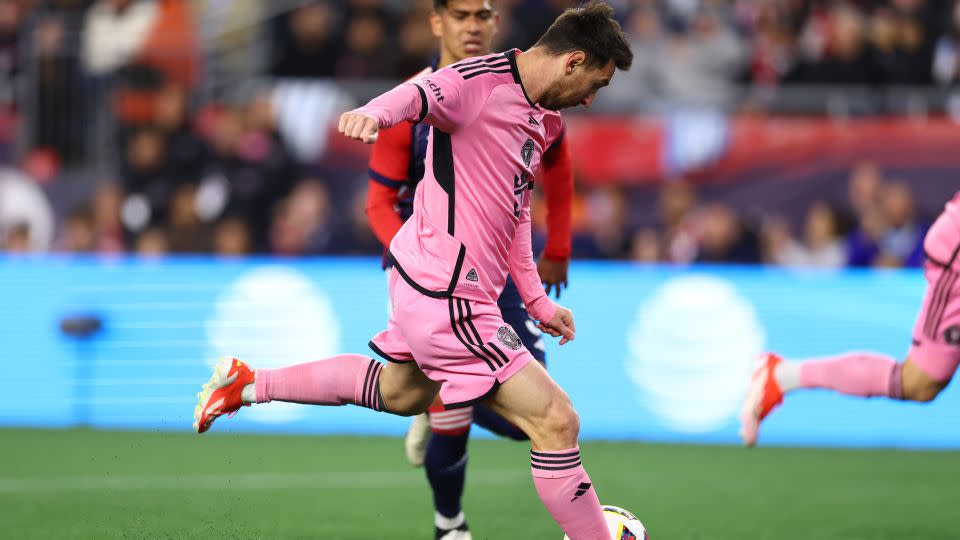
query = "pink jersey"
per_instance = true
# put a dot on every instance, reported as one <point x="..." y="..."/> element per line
<point x="942" y="243"/>
<point x="471" y="217"/>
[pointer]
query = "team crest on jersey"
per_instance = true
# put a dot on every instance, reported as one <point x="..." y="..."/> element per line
<point x="526" y="153"/>
<point x="952" y="335"/>
<point x="509" y="338"/>
<point x="472" y="275"/>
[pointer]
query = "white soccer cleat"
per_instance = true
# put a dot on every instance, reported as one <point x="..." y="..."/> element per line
<point x="415" y="442"/>
<point x="456" y="534"/>
<point x="455" y="528"/>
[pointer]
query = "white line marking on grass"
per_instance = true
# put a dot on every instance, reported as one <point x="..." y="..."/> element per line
<point x="248" y="481"/>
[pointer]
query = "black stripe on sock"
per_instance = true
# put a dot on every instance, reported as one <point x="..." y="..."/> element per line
<point x="552" y="455"/>
<point x="368" y="388"/>
<point x="366" y="384"/>
<point x="377" y="398"/>
<point x="555" y="462"/>
<point x="563" y="468"/>
<point x="374" y="387"/>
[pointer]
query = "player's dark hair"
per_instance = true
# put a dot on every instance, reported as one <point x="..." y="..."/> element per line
<point x="442" y="4"/>
<point x="592" y="29"/>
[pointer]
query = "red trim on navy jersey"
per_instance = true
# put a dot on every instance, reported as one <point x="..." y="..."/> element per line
<point x="382" y="211"/>
<point x="389" y="169"/>
<point x="557" y="175"/>
<point x="390" y="156"/>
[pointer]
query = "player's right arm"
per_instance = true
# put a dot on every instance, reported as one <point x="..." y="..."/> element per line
<point x="389" y="168"/>
<point x="442" y="99"/>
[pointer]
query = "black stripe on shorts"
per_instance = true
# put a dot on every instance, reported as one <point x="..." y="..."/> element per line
<point x="468" y="319"/>
<point x="456" y="331"/>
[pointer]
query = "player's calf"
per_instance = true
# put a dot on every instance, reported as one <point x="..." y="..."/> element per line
<point x="537" y="405"/>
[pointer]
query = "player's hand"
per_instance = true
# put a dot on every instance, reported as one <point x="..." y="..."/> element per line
<point x="359" y="126"/>
<point x="553" y="274"/>
<point x="561" y="325"/>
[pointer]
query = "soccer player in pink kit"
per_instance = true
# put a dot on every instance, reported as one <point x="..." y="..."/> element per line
<point x="931" y="361"/>
<point x="491" y="119"/>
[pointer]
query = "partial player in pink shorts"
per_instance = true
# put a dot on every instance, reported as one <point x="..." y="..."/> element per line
<point x="463" y="344"/>
<point x="936" y="336"/>
<point x="930" y="364"/>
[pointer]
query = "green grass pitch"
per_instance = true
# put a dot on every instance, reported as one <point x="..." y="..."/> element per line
<point x="95" y="484"/>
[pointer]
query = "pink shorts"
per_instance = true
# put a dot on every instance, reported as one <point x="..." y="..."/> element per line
<point x="464" y="345"/>
<point x="936" y="336"/>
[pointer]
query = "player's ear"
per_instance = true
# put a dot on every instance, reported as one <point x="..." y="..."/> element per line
<point x="574" y="60"/>
<point x="436" y="24"/>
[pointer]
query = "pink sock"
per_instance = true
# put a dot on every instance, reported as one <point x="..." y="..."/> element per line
<point x="856" y="374"/>
<point x="568" y="494"/>
<point x="340" y="380"/>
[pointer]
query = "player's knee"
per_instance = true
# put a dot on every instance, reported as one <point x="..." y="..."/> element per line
<point x="405" y="391"/>
<point x="562" y="423"/>
<point x="920" y="387"/>
<point x="406" y="401"/>
<point x="922" y="393"/>
<point x="409" y="403"/>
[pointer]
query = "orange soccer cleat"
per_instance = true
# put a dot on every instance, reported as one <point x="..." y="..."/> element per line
<point x="221" y="394"/>
<point x="764" y="396"/>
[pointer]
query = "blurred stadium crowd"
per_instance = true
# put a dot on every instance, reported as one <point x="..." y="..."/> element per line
<point x="122" y="128"/>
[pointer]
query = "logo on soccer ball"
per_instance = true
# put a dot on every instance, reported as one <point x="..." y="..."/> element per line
<point x="952" y="335"/>
<point x="509" y="338"/>
<point x="526" y="153"/>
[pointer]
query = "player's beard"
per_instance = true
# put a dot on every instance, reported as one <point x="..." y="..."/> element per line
<point x="559" y="102"/>
<point x="557" y="97"/>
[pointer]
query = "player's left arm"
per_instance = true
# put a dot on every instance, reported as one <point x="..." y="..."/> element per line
<point x="552" y="318"/>
<point x="557" y="182"/>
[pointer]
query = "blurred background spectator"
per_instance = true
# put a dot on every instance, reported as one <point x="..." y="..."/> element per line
<point x="212" y="121"/>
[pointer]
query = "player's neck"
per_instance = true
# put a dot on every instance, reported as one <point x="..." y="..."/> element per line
<point x="532" y="66"/>
<point x="445" y="60"/>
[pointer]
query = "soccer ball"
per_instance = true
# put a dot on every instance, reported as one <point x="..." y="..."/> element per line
<point x="622" y="524"/>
